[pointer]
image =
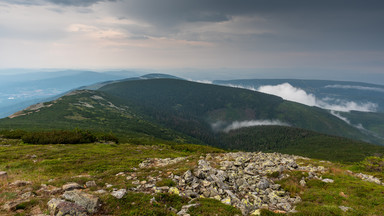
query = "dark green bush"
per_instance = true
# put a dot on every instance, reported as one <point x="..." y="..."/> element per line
<point x="59" y="136"/>
<point x="373" y="164"/>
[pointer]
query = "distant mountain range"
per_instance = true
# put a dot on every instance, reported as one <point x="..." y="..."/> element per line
<point x="22" y="90"/>
<point x="184" y="111"/>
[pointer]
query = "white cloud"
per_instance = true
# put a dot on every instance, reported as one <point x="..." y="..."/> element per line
<point x="340" y="117"/>
<point x="358" y="126"/>
<point x="356" y="87"/>
<point x="291" y="93"/>
<point x="200" y="81"/>
<point x="346" y="106"/>
<point x="288" y="92"/>
<point x="241" y="124"/>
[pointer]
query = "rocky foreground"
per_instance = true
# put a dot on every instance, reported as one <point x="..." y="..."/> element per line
<point x="243" y="180"/>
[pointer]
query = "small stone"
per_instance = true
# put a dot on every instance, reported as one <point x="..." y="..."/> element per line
<point x="285" y="206"/>
<point x="174" y="190"/>
<point x="20" y="183"/>
<point x="327" y="180"/>
<point x="3" y="176"/>
<point x="119" y="193"/>
<point x="82" y="176"/>
<point x="120" y="174"/>
<point x="71" y="186"/>
<point x="345" y="208"/>
<point x="263" y="184"/>
<point x="101" y="191"/>
<point x="226" y="201"/>
<point x="163" y="188"/>
<point x="108" y="185"/>
<point x="303" y="183"/>
<point x="90" y="184"/>
<point x="26" y="195"/>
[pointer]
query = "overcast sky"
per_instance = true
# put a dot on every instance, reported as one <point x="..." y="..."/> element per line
<point x="324" y="39"/>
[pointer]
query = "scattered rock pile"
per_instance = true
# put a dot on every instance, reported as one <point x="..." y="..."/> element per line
<point x="158" y="162"/>
<point x="240" y="180"/>
<point x="368" y="178"/>
<point x="73" y="201"/>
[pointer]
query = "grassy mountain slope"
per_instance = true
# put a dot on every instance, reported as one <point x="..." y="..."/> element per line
<point x="88" y="110"/>
<point x="369" y="120"/>
<point x="173" y="101"/>
<point x="180" y="111"/>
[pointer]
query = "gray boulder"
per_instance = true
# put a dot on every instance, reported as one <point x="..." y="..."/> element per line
<point x="87" y="201"/>
<point x="71" y="186"/>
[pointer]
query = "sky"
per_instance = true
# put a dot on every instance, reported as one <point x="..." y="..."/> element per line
<point x="327" y="39"/>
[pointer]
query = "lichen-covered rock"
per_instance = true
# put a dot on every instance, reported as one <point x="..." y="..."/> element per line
<point x="70" y="209"/>
<point x="20" y="183"/>
<point x="71" y="186"/>
<point x="87" y="201"/>
<point x="53" y="203"/>
<point x="119" y="193"/>
<point x="12" y="205"/>
<point x="174" y="190"/>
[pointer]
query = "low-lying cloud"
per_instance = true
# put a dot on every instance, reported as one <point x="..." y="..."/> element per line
<point x="338" y="115"/>
<point x="356" y="87"/>
<point x="241" y="124"/>
<point x="288" y="92"/>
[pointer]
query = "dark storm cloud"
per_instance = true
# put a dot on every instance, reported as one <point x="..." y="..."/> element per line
<point x="221" y="10"/>
<point x="290" y="25"/>
<point x="82" y="3"/>
<point x="79" y="3"/>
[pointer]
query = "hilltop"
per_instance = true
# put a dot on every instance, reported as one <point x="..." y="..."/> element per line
<point x="188" y="112"/>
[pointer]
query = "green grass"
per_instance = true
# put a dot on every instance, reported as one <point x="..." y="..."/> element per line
<point x="70" y="160"/>
<point x="40" y="163"/>
<point x="140" y="204"/>
<point x="210" y="207"/>
<point x="319" y="198"/>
